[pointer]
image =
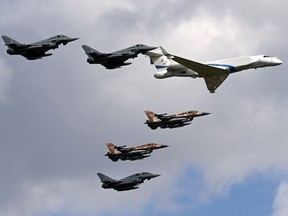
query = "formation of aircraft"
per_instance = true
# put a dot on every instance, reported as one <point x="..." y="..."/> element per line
<point x="167" y="65"/>
<point x="131" y="153"/>
<point x="214" y="72"/>
<point x="171" y="121"/>
<point x="129" y="183"/>
<point x="35" y="50"/>
<point x="115" y="59"/>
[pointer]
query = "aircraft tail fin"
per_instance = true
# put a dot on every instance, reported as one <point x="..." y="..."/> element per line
<point x="165" y="52"/>
<point x="151" y="115"/>
<point x="160" y="58"/>
<point x="104" y="178"/>
<point x="88" y="50"/>
<point x="8" y="41"/>
<point x="112" y="148"/>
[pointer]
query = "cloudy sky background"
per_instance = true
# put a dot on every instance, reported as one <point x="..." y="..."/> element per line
<point x="57" y="113"/>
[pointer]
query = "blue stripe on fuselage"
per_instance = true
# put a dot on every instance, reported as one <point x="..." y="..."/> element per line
<point x="230" y="67"/>
<point x="161" y="66"/>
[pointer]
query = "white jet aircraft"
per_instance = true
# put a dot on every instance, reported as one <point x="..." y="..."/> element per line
<point x="214" y="73"/>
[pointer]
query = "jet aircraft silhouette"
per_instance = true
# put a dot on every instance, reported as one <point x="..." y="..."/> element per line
<point x="115" y="59"/>
<point x="129" y="183"/>
<point x="214" y="73"/>
<point x="131" y="153"/>
<point x="171" y="121"/>
<point x="35" y="50"/>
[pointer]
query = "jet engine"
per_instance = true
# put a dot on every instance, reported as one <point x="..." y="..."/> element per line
<point x="11" y="51"/>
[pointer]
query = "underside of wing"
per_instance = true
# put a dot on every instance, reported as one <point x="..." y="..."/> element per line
<point x="127" y="184"/>
<point x="113" y="65"/>
<point x="38" y="49"/>
<point x="213" y="82"/>
<point x="115" y="62"/>
<point x="35" y="55"/>
<point x="213" y="76"/>
<point x="35" y="52"/>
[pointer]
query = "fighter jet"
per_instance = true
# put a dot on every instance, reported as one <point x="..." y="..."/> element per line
<point x="35" y="50"/>
<point x="131" y="153"/>
<point x="115" y="59"/>
<point x="171" y="121"/>
<point x="129" y="183"/>
<point x="214" y="73"/>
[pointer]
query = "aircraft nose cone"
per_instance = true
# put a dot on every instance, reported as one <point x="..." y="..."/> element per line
<point x="73" y="39"/>
<point x="152" y="176"/>
<point x="205" y="113"/>
<point x="155" y="175"/>
<point x="201" y="114"/>
<point x="164" y="146"/>
<point x="278" y="61"/>
<point x="151" y="48"/>
<point x="148" y="48"/>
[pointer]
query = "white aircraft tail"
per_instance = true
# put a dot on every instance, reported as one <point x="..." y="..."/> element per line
<point x="160" y="58"/>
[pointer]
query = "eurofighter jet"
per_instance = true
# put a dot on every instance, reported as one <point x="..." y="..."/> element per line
<point x="214" y="73"/>
<point x="115" y="59"/>
<point x="128" y="183"/>
<point x="131" y="153"/>
<point x="171" y="121"/>
<point x="35" y="50"/>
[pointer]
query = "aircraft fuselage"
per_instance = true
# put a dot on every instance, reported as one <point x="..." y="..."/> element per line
<point x="231" y="65"/>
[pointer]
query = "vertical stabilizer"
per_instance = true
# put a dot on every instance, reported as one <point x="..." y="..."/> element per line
<point x="112" y="148"/>
<point x="8" y="41"/>
<point x="160" y="58"/>
<point x="104" y="178"/>
<point x="151" y="115"/>
<point x="88" y="50"/>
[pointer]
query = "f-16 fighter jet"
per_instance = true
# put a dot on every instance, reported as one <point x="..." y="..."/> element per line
<point x="128" y="183"/>
<point x="171" y="121"/>
<point x="131" y="153"/>
<point x="115" y="59"/>
<point x="214" y="73"/>
<point x="35" y="50"/>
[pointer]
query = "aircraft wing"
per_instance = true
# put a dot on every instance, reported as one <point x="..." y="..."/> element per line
<point x="126" y="185"/>
<point x="136" y="152"/>
<point x="163" y="117"/>
<point x="123" y="149"/>
<point x="99" y="55"/>
<point x="35" y="53"/>
<point x="213" y="76"/>
<point x="113" y="65"/>
<point x="18" y="46"/>
<point x="115" y="62"/>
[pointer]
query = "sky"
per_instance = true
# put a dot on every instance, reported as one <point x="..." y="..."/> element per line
<point x="58" y="112"/>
